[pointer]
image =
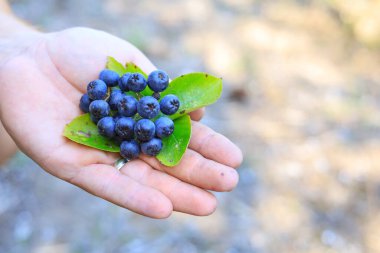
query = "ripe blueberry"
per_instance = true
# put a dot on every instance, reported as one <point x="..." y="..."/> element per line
<point x="99" y="109"/>
<point x="144" y="130"/>
<point x="125" y="128"/>
<point x="158" y="80"/>
<point x="97" y="90"/>
<point x="106" y="127"/>
<point x="148" y="107"/>
<point x="110" y="77"/>
<point x="136" y="82"/>
<point x="156" y="95"/>
<point x="123" y="82"/>
<point x="84" y="103"/>
<point x="164" y="127"/>
<point x="115" y="97"/>
<point x="127" y="106"/>
<point x="152" y="147"/>
<point x="129" y="149"/>
<point x="169" y="104"/>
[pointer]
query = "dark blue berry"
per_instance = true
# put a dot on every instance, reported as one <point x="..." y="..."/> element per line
<point x="84" y="103"/>
<point x="129" y="149"/>
<point x="115" y="97"/>
<point x="125" y="128"/>
<point x="156" y="95"/>
<point x="110" y="77"/>
<point x="106" y="127"/>
<point x="164" y="127"/>
<point x="117" y="116"/>
<point x="144" y="130"/>
<point x="148" y="107"/>
<point x="97" y="90"/>
<point x="123" y="82"/>
<point x="136" y="82"/>
<point x="99" y="109"/>
<point x="95" y="119"/>
<point x="158" y="80"/>
<point x="169" y="104"/>
<point x="127" y="106"/>
<point x="152" y="147"/>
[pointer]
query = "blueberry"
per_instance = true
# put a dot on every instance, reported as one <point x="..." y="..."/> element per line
<point x="125" y="128"/>
<point x="127" y="106"/>
<point x="95" y="119"/>
<point x="97" y="90"/>
<point x="156" y="95"/>
<point x="99" y="109"/>
<point x="129" y="149"/>
<point x="84" y="103"/>
<point x="136" y="82"/>
<point x="148" y="107"/>
<point x="123" y="82"/>
<point x="117" y="116"/>
<point x="110" y="77"/>
<point x="152" y="147"/>
<point x="144" y="130"/>
<point x="106" y="127"/>
<point x="115" y="97"/>
<point x="164" y="127"/>
<point x="158" y="80"/>
<point x="169" y="104"/>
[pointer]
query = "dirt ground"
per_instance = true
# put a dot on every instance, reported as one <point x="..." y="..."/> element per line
<point x="301" y="98"/>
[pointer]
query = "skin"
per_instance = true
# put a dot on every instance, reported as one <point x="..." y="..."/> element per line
<point x="42" y="78"/>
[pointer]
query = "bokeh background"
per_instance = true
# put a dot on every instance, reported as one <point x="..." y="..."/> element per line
<point x="301" y="98"/>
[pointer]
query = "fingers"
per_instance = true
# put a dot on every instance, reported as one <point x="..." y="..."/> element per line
<point x="108" y="183"/>
<point x="214" y="146"/>
<point x="198" y="114"/>
<point x="184" y="197"/>
<point x="81" y="53"/>
<point x="199" y="171"/>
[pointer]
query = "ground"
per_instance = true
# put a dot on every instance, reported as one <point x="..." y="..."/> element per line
<point x="301" y="99"/>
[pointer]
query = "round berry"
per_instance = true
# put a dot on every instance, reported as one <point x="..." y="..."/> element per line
<point x="110" y="77"/>
<point x="152" y="147"/>
<point x="97" y="90"/>
<point x="84" y="103"/>
<point x="158" y="80"/>
<point x="136" y="82"/>
<point x="123" y="82"/>
<point x="99" y="109"/>
<point x="94" y="119"/>
<point x="148" y="107"/>
<point x="164" y="127"/>
<point x="129" y="149"/>
<point x="106" y="127"/>
<point x="127" y="106"/>
<point x="115" y="97"/>
<point x="156" y="95"/>
<point x="125" y="128"/>
<point x="169" y="104"/>
<point x="144" y="130"/>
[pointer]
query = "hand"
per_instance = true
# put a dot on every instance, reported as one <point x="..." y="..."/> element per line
<point x="40" y="88"/>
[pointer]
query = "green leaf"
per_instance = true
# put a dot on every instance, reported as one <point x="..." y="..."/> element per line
<point x="83" y="131"/>
<point x="175" y="145"/>
<point x="194" y="91"/>
<point x="116" y="66"/>
<point x="133" y="68"/>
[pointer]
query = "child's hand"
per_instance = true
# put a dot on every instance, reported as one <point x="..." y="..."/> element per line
<point x="40" y="88"/>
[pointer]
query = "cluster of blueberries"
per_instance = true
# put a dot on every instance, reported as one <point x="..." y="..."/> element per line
<point x="128" y="120"/>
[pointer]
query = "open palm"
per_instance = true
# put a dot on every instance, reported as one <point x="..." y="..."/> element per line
<point x="40" y="88"/>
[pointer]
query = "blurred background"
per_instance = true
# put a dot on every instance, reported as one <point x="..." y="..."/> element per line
<point x="301" y="98"/>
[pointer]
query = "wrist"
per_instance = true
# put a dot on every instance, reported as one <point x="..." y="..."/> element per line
<point x="15" y="35"/>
